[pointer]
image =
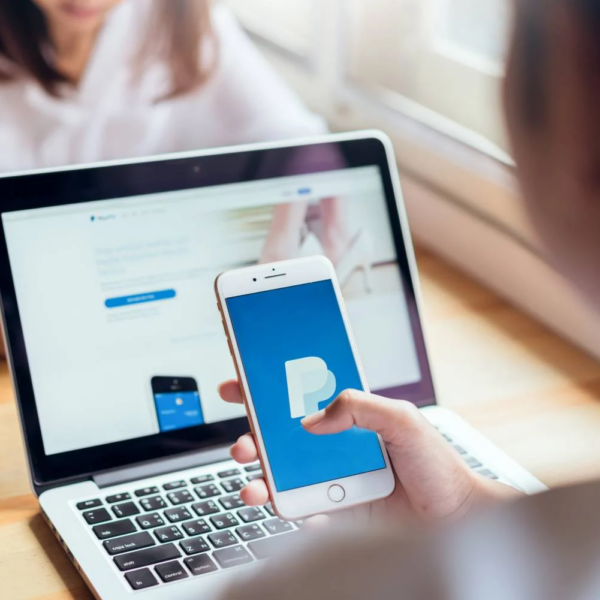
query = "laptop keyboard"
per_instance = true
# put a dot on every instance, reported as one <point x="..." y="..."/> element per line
<point x="191" y="527"/>
<point x="184" y="528"/>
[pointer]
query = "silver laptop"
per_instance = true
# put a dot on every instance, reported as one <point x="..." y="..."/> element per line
<point x="116" y="346"/>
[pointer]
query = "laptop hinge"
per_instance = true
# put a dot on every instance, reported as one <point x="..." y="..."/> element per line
<point x="161" y="467"/>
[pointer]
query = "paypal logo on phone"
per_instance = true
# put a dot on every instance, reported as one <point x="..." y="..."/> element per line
<point x="292" y="341"/>
<point x="309" y="382"/>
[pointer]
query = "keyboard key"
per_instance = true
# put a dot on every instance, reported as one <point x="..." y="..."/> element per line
<point x="274" y="526"/>
<point x="233" y="485"/>
<point x="207" y="491"/>
<point x="228" y="473"/>
<point x="255" y="476"/>
<point x="231" y="502"/>
<point x="224" y="521"/>
<point x="251" y="514"/>
<point x="488" y="473"/>
<point x="150" y="521"/>
<point x="250" y="532"/>
<point x="196" y="527"/>
<point x="127" y="509"/>
<point x="113" y="529"/>
<point x="142" y="579"/>
<point x="203" y="509"/>
<point x="251" y="468"/>
<point x="269" y="508"/>
<point x="147" y="491"/>
<point x="99" y="515"/>
<point x="86" y="504"/>
<point x="149" y="556"/>
<point x="168" y="534"/>
<point x="272" y="546"/>
<point x="178" y="514"/>
<point x="127" y="543"/>
<point x="153" y="503"/>
<point x="199" y="565"/>
<point x="121" y="498"/>
<point x="194" y="546"/>
<point x="473" y="462"/>
<point x="180" y="497"/>
<point x="222" y="539"/>
<point x="171" y="571"/>
<point x="174" y="485"/>
<point x="232" y="557"/>
<point x="202" y="479"/>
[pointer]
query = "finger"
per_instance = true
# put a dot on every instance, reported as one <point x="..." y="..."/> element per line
<point x="389" y="418"/>
<point x="230" y="392"/>
<point x="244" y="450"/>
<point x="256" y="493"/>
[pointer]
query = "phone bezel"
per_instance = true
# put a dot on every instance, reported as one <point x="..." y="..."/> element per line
<point x="156" y="379"/>
<point x="310" y="500"/>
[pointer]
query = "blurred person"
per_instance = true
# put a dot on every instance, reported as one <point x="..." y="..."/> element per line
<point x="449" y="542"/>
<point x="90" y="80"/>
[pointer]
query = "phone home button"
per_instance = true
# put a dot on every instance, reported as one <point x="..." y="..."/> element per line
<point x="336" y="493"/>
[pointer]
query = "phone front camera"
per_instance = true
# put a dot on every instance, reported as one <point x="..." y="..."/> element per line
<point x="254" y="279"/>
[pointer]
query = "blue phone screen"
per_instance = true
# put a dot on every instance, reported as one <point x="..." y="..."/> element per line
<point x="297" y="358"/>
<point x="177" y="410"/>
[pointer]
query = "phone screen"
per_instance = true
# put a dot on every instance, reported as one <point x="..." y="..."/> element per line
<point x="297" y="358"/>
<point x="177" y="402"/>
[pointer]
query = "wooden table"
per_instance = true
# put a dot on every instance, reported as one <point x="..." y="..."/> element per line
<point x="533" y="394"/>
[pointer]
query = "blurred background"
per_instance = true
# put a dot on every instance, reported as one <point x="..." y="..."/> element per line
<point x="427" y="72"/>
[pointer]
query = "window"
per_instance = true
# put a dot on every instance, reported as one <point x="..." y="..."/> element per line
<point x="427" y="72"/>
<point x="440" y="61"/>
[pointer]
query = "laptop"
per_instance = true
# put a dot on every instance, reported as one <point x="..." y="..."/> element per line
<point x="116" y="346"/>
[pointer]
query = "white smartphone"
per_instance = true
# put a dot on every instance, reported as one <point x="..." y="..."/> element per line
<point x="294" y="352"/>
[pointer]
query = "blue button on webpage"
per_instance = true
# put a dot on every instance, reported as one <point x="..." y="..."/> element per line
<point x="140" y="298"/>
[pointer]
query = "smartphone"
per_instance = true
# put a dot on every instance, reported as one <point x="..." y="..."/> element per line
<point x="294" y="352"/>
<point x="177" y="402"/>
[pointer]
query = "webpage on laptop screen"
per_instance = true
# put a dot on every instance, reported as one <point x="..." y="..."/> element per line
<point x="117" y="295"/>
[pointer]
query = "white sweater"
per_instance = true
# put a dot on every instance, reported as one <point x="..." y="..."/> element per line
<point x="111" y="115"/>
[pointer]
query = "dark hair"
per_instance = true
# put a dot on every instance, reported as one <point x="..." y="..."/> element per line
<point x="176" y="35"/>
<point x="532" y="39"/>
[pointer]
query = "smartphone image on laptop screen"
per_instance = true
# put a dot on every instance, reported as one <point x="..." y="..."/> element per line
<point x="177" y="402"/>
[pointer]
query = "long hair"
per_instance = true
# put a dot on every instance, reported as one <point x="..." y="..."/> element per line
<point x="177" y="35"/>
<point x="532" y="40"/>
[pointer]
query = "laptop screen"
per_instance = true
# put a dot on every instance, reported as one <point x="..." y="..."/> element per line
<point x="118" y="312"/>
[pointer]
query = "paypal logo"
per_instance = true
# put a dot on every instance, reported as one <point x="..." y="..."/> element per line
<point x="309" y="382"/>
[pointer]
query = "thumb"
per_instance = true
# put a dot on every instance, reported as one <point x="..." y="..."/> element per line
<point x="388" y="418"/>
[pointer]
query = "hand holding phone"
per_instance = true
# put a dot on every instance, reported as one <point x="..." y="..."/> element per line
<point x="294" y="352"/>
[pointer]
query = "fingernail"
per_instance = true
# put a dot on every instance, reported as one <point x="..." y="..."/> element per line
<point x="313" y="419"/>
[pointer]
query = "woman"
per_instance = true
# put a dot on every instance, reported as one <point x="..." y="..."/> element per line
<point x="90" y="80"/>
